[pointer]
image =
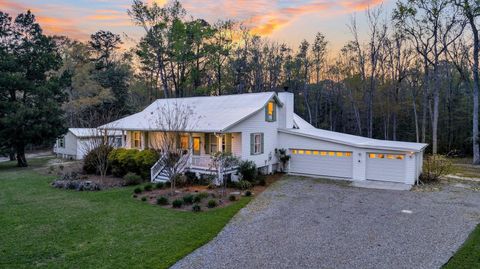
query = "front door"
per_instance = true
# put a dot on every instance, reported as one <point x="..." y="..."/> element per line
<point x="196" y="146"/>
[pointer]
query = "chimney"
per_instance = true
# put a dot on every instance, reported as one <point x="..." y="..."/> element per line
<point x="287" y="109"/>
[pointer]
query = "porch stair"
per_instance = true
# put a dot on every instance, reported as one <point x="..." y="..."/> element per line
<point x="158" y="171"/>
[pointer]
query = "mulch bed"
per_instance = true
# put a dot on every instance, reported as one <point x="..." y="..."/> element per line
<point x="220" y="195"/>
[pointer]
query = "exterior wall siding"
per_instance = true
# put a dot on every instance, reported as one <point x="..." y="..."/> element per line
<point x="257" y="124"/>
<point x="70" y="149"/>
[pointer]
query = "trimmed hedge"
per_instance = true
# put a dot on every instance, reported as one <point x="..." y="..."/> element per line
<point x="132" y="160"/>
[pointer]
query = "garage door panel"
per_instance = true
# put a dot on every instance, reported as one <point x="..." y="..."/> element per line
<point x="322" y="165"/>
<point x="385" y="169"/>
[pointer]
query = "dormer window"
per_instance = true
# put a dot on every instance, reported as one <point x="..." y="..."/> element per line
<point x="270" y="112"/>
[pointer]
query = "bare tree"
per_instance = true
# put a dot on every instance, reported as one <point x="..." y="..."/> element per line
<point x="171" y="119"/>
<point x="222" y="162"/>
<point x="98" y="144"/>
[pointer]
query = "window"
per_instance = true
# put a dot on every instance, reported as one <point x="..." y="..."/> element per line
<point x="256" y="143"/>
<point x="270" y="112"/>
<point x="385" y="156"/>
<point x="348" y="154"/>
<point x="118" y="141"/>
<point x="339" y="154"/>
<point x="331" y="153"/>
<point x="301" y="151"/>
<point x="137" y="142"/>
<point x="184" y="142"/>
<point x="196" y="146"/>
<point x="323" y="153"/>
<point x="213" y="143"/>
<point x="308" y="152"/>
<point x="294" y="151"/>
<point x="315" y="152"/>
<point x="61" y="142"/>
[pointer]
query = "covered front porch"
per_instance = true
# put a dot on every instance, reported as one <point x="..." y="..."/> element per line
<point x="197" y="147"/>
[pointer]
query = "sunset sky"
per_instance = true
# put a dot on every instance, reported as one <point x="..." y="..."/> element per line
<point x="282" y="21"/>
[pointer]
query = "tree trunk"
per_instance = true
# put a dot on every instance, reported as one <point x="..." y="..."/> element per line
<point x="476" y="49"/>
<point x="21" y="160"/>
<point x="11" y="154"/>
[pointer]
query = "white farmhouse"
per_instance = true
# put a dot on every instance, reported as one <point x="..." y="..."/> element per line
<point x="77" y="141"/>
<point x="255" y="126"/>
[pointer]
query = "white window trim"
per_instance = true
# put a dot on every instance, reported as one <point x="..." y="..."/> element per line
<point x="257" y="151"/>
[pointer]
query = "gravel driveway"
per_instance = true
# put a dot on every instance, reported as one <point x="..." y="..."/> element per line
<point x="308" y="223"/>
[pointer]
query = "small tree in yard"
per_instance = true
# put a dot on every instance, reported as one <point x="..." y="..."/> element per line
<point x="221" y="162"/>
<point x="170" y="120"/>
<point x="97" y="147"/>
<point x="283" y="157"/>
<point x="434" y="167"/>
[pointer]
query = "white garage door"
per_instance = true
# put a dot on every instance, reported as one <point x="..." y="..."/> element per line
<point x="322" y="163"/>
<point x="386" y="167"/>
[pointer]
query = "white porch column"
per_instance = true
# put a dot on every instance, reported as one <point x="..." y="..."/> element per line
<point x="190" y="148"/>
<point x="220" y="143"/>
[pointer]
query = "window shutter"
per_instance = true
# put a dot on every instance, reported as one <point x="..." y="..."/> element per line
<point x="146" y="140"/>
<point x="266" y="113"/>
<point x="252" y="144"/>
<point x="207" y="143"/>
<point x="274" y="116"/>
<point x="228" y="143"/>
<point x="262" y="142"/>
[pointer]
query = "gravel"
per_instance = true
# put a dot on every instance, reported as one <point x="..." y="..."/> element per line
<point x="308" y="223"/>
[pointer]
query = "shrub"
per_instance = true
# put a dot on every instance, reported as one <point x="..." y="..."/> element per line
<point x="244" y="185"/>
<point x="248" y="193"/>
<point x="148" y="187"/>
<point x="132" y="160"/>
<point x="144" y="198"/>
<point x="191" y="178"/>
<point x="132" y="179"/>
<point x="144" y="160"/>
<point x="197" y="199"/>
<point x="248" y="170"/>
<point x="168" y="184"/>
<point x="137" y="190"/>
<point x="188" y="199"/>
<point x="212" y="203"/>
<point x="162" y="200"/>
<point x="232" y="198"/>
<point x="90" y="161"/>
<point x="434" y="167"/>
<point x="78" y="185"/>
<point x="204" y="195"/>
<point x="159" y="185"/>
<point x="196" y="208"/>
<point x="177" y="203"/>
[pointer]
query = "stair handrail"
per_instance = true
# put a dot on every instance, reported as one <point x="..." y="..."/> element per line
<point x="157" y="167"/>
<point x="183" y="162"/>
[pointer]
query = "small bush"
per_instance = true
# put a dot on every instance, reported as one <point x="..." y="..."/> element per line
<point x="196" y="208"/>
<point x="248" y="170"/>
<point x="132" y="179"/>
<point x="177" y="203"/>
<point x="162" y="200"/>
<point x="197" y="199"/>
<point x="248" y="193"/>
<point x="211" y="186"/>
<point x="148" y="187"/>
<point x="159" y="185"/>
<point x="212" y="203"/>
<point x="232" y="198"/>
<point x="90" y="161"/>
<point x="244" y="185"/>
<point x="434" y="167"/>
<point x="188" y="199"/>
<point x="131" y="160"/>
<point x="144" y="198"/>
<point x="137" y="190"/>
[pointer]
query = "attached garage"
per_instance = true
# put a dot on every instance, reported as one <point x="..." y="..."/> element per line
<point x="386" y="167"/>
<point x="317" y="152"/>
<point x="322" y="162"/>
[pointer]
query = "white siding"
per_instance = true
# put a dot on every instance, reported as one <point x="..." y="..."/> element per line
<point x="70" y="148"/>
<point x="257" y="124"/>
<point x="237" y="144"/>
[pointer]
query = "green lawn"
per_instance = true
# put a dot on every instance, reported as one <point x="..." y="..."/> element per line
<point x="46" y="227"/>
<point x="468" y="256"/>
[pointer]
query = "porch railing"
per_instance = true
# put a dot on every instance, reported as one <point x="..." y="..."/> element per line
<point x="157" y="167"/>
<point x="202" y="161"/>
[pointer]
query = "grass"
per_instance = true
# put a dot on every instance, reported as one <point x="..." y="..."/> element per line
<point x="463" y="167"/>
<point x="52" y="228"/>
<point x="468" y="256"/>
